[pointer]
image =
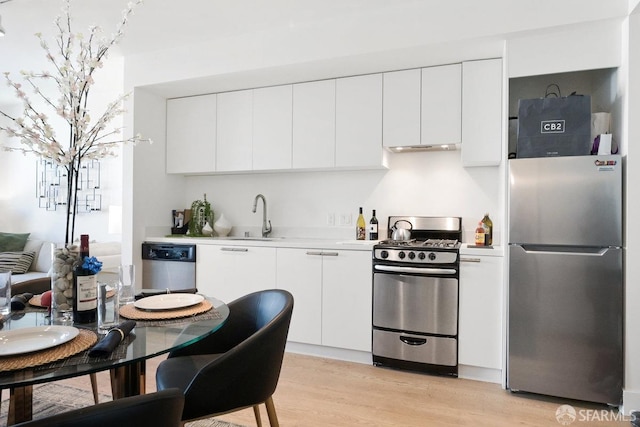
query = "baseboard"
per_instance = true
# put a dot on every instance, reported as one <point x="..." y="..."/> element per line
<point x="464" y="371"/>
<point x="330" y="352"/>
<point x="480" y="374"/>
<point x="630" y="401"/>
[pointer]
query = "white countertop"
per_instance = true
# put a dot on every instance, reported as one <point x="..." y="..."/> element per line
<point x="307" y="243"/>
<point x="467" y="249"/>
<point x="274" y="242"/>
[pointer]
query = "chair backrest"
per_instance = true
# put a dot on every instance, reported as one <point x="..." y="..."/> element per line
<point x="255" y="337"/>
<point x="159" y="409"/>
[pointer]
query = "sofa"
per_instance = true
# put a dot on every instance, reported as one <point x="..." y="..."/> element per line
<point x="41" y="262"/>
<point x="109" y="253"/>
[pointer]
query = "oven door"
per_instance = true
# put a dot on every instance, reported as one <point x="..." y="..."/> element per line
<point x="419" y="304"/>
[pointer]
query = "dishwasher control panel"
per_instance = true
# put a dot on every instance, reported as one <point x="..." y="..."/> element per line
<point x="169" y="252"/>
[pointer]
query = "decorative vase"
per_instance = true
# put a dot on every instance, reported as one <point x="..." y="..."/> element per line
<point x="64" y="259"/>
<point x="222" y="226"/>
<point x="207" y="230"/>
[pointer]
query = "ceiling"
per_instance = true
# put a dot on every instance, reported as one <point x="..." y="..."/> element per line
<point x="164" y="24"/>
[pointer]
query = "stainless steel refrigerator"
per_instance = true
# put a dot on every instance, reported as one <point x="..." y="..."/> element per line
<point x="565" y="277"/>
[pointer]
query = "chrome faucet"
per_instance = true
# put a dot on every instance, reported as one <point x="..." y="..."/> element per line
<point x="266" y="229"/>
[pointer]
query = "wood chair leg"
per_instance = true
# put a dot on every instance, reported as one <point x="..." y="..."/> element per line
<point x="256" y="412"/>
<point x="94" y="387"/>
<point x="271" y="412"/>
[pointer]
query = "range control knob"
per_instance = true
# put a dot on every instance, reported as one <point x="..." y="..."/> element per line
<point x="412" y="255"/>
<point x="432" y="256"/>
<point x="422" y="255"/>
<point x="384" y="254"/>
<point x="401" y="255"/>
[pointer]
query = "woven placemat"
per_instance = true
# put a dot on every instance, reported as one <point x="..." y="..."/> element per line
<point x="132" y="312"/>
<point x="36" y="302"/>
<point x="83" y="341"/>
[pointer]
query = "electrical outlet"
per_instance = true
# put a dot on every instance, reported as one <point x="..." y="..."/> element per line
<point x="331" y="219"/>
<point x="345" y="219"/>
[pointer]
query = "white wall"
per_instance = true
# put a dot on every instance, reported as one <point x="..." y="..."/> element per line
<point x="431" y="184"/>
<point x="632" y="229"/>
<point x="18" y="199"/>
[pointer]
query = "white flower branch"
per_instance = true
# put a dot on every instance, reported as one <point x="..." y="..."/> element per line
<point x="74" y="62"/>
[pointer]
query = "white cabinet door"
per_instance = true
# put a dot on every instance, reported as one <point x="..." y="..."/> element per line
<point x="401" y="108"/>
<point x="359" y="121"/>
<point x="482" y="113"/>
<point x="272" y="121"/>
<point x="441" y="115"/>
<point x="481" y="304"/>
<point x="235" y="114"/>
<point x="191" y="134"/>
<point x="300" y="272"/>
<point x="229" y="272"/>
<point x="314" y="124"/>
<point x="346" y="299"/>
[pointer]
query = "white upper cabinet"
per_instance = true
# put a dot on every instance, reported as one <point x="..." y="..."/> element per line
<point x="235" y="117"/>
<point x="359" y="121"/>
<point x="314" y="124"/>
<point x="401" y="108"/>
<point x="191" y="134"/>
<point x="482" y="113"/>
<point x="272" y="124"/>
<point x="441" y="113"/>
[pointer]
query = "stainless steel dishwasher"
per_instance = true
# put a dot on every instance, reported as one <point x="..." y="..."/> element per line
<point x="168" y="266"/>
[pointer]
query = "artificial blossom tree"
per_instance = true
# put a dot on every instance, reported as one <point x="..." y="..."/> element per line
<point x="74" y="60"/>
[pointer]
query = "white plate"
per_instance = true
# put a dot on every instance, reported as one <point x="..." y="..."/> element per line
<point x="26" y="340"/>
<point x="168" y="301"/>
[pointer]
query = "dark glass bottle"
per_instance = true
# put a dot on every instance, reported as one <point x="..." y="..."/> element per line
<point x="488" y="225"/>
<point x="373" y="227"/>
<point x="85" y="290"/>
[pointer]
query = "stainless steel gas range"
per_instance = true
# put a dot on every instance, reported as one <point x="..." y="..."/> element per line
<point x="415" y="296"/>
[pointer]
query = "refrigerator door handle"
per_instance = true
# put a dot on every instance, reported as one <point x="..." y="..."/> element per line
<point x="566" y="250"/>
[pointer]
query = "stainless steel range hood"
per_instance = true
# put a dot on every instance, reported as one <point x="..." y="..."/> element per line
<point x="415" y="148"/>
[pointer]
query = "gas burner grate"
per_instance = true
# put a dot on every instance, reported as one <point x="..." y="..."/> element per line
<point x="440" y="243"/>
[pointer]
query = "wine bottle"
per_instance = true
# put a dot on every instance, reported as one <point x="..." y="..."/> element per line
<point x="85" y="290"/>
<point x="480" y="239"/>
<point x="361" y="227"/>
<point x="488" y="234"/>
<point x="373" y="227"/>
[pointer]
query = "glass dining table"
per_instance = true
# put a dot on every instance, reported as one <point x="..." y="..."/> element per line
<point x="127" y="364"/>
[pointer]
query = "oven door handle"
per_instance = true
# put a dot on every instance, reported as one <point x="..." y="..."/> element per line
<point x="416" y="270"/>
<point x="413" y="340"/>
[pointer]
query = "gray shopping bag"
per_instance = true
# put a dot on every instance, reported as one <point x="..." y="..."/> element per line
<point x="554" y="126"/>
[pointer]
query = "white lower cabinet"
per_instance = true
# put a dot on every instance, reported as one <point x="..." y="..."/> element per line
<point x="346" y="300"/>
<point x="229" y="272"/>
<point x="481" y="303"/>
<point x="332" y="296"/>
<point x="301" y="274"/>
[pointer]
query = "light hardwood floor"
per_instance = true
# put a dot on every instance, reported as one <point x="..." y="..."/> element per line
<point x="322" y="392"/>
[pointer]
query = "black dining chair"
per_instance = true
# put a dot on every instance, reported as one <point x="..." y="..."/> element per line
<point x="239" y="365"/>
<point x="39" y="286"/>
<point x="159" y="409"/>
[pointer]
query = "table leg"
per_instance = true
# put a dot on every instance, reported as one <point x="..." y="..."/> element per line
<point x="20" y="402"/>
<point x="128" y="380"/>
<point x="20" y="405"/>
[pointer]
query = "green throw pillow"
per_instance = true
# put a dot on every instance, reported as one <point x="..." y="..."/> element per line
<point x="12" y="242"/>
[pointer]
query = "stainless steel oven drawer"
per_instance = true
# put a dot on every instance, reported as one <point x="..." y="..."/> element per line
<point x="418" y="304"/>
<point x="415" y="348"/>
